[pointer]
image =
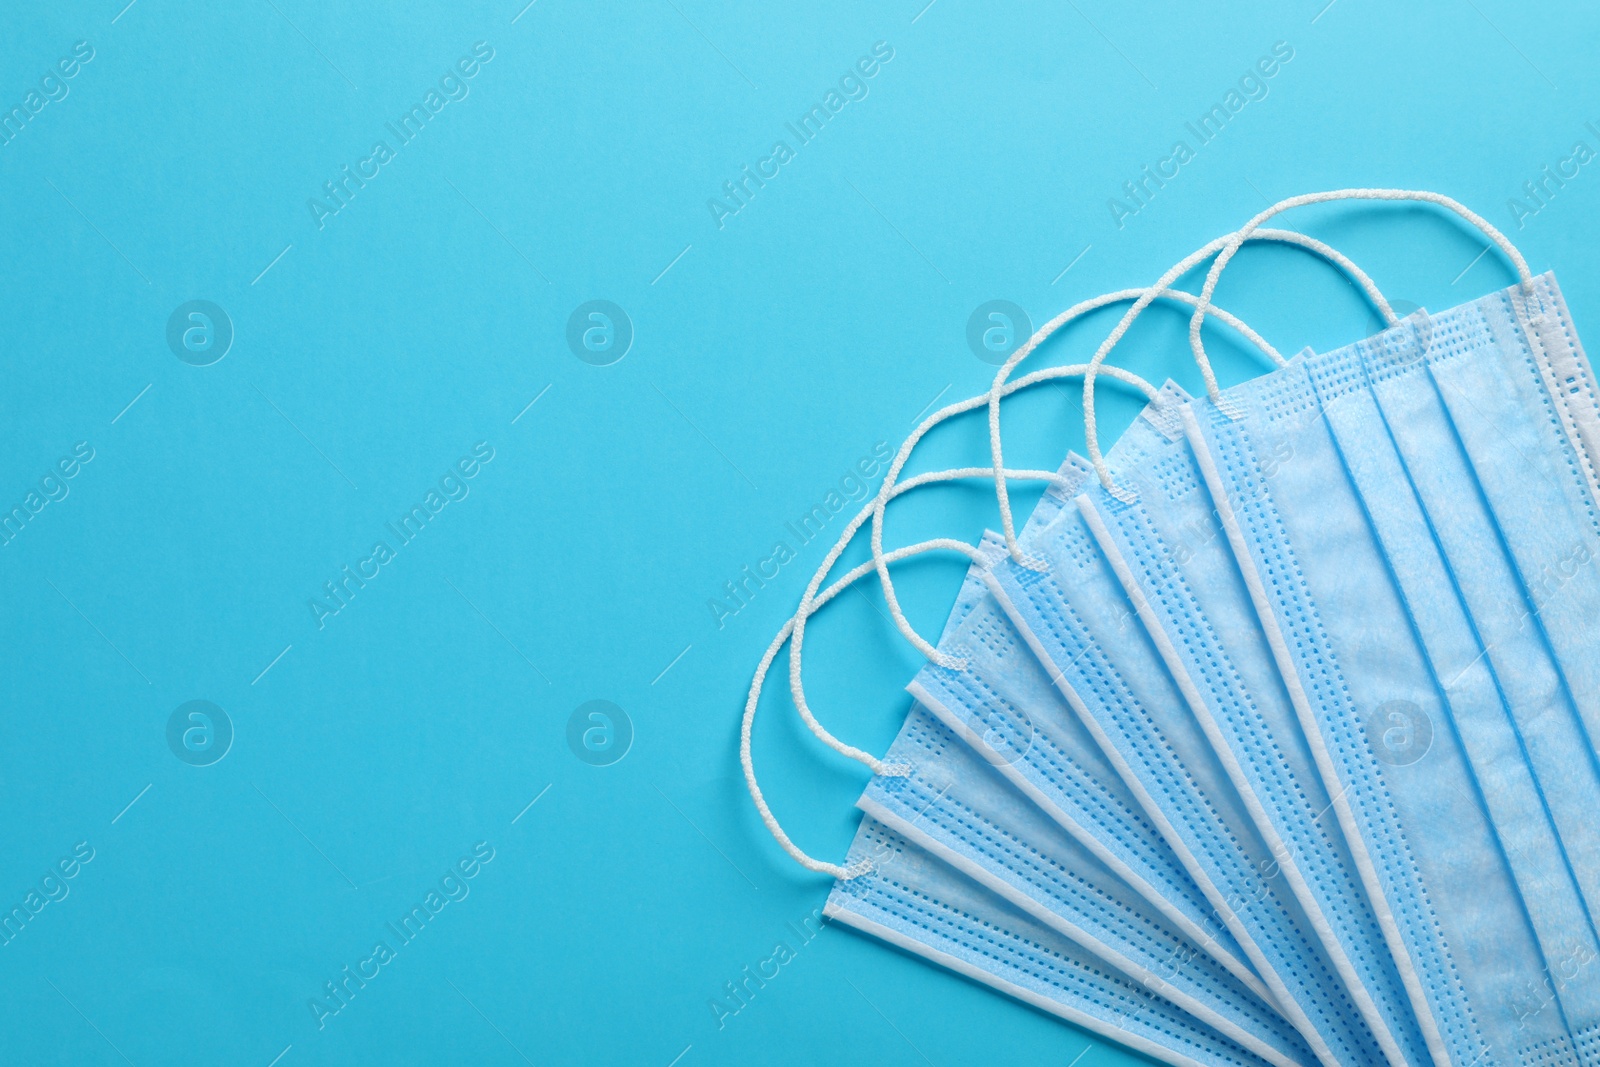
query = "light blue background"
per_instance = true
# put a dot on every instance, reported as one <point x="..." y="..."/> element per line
<point x="770" y="355"/>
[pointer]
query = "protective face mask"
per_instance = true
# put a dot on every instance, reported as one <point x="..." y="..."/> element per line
<point x="1404" y="718"/>
<point x="1163" y="540"/>
<point x="1497" y="462"/>
<point x="1114" y="679"/>
<point x="914" y="901"/>
<point x="978" y="920"/>
<point x="1450" y="401"/>
<point x="1070" y="868"/>
<point x="1001" y="703"/>
<point x="1197" y="984"/>
<point x="956" y="806"/>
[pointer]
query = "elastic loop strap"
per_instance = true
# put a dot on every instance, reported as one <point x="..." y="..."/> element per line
<point x="1160" y="289"/>
<point x="813" y="604"/>
<point x="1422" y="196"/>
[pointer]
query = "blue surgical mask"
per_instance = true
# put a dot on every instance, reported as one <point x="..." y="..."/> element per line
<point x="1072" y="616"/>
<point x="1522" y="404"/>
<point x="958" y="807"/>
<point x="1002" y="704"/>
<point x="917" y="902"/>
<point x="1403" y="714"/>
<point x="1064" y="870"/>
<point x="1162" y="537"/>
<point x="1450" y="403"/>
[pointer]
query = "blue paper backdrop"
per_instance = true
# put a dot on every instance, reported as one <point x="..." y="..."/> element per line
<point x="414" y="327"/>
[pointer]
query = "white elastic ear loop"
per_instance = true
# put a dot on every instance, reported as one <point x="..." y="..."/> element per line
<point x="796" y="687"/>
<point x="816" y="602"/>
<point x="1183" y="266"/>
<point x="809" y="603"/>
<point x="1002" y="494"/>
<point x="1244" y="233"/>
<point x="797" y="626"/>
<point x="996" y="390"/>
<point x="812" y="600"/>
<point x="886" y="491"/>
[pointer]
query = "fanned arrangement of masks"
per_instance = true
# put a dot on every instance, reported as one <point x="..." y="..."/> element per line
<point x="1270" y="736"/>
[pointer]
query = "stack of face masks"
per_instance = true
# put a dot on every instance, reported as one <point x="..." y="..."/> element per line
<point x="1271" y="736"/>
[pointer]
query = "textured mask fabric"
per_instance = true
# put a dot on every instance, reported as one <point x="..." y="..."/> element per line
<point x="1074" y="616"/>
<point x="916" y="902"/>
<point x="1520" y="399"/>
<point x="1003" y="705"/>
<point x="1429" y="780"/>
<point x="956" y="806"/>
<point x="1518" y="624"/>
<point x="1163" y="539"/>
